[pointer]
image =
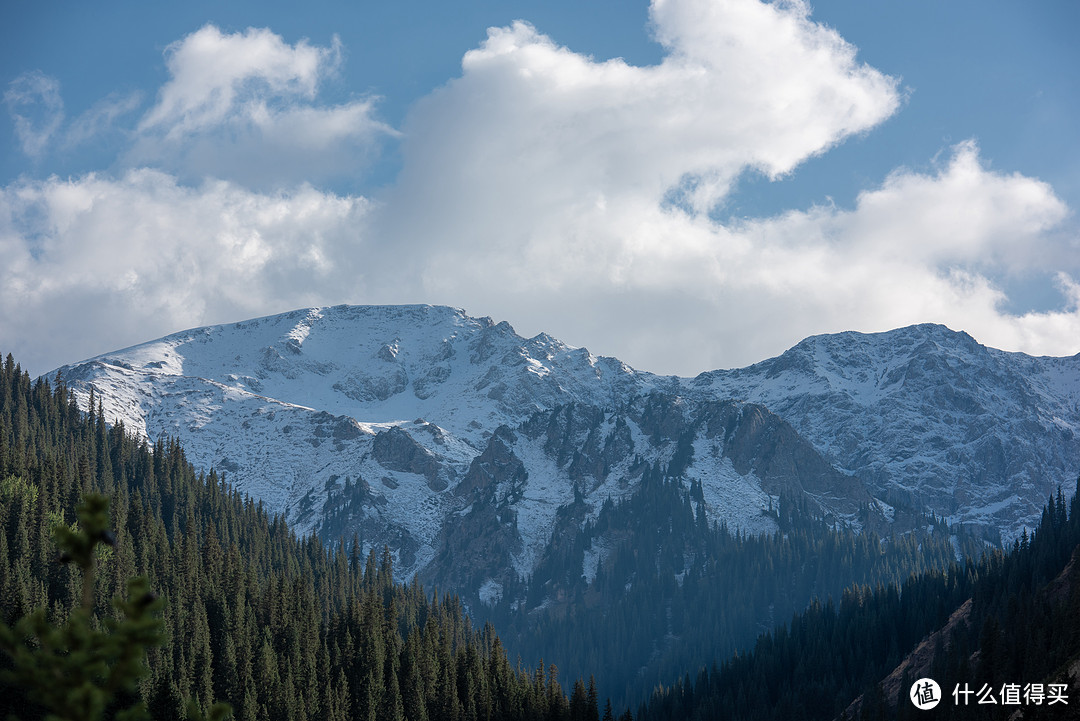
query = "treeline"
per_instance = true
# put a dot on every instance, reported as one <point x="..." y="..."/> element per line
<point x="1021" y="627"/>
<point x="277" y="626"/>
<point x="674" y="590"/>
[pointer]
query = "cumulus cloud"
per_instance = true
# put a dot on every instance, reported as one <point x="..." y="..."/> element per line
<point x="532" y="127"/>
<point x="545" y="187"/>
<point x="211" y="72"/>
<point x="243" y="106"/>
<point x="672" y="291"/>
<point x="94" y="263"/>
<point x="921" y="247"/>
<point x="36" y="109"/>
<point x="570" y="194"/>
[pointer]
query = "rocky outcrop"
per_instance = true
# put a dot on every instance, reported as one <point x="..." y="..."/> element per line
<point x="761" y="442"/>
<point x="496" y="466"/>
<point x="396" y="450"/>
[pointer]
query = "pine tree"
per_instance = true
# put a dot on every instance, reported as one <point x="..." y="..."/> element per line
<point x="282" y="627"/>
<point x="77" y="670"/>
<point x="592" y="711"/>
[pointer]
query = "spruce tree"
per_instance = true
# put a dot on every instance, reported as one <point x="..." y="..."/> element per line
<point x="79" y="669"/>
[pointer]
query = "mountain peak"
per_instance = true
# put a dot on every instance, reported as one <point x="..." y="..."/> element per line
<point x="383" y="364"/>
<point x="907" y="336"/>
<point x="927" y="418"/>
<point x="927" y="415"/>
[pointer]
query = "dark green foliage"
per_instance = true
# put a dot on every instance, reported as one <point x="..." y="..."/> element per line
<point x="1022" y="626"/>
<point x="676" y="590"/>
<point x="76" y="670"/>
<point x="80" y="669"/>
<point x="278" y="626"/>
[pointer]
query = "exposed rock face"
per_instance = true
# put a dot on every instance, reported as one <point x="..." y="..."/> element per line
<point x="759" y="441"/>
<point x="535" y="485"/>
<point x="496" y="466"/>
<point x="478" y="544"/>
<point x="575" y="437"/>
<point x="396" y="450"/>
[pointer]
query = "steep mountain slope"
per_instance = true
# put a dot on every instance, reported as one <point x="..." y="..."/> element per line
<point x="298" y="406"/>
<point x="929" y="418"/>
<point x="535" y="486"/>
<point x="1006" y="621"/>
<point x="383" y="421"/>
<point x="393" y="422"/>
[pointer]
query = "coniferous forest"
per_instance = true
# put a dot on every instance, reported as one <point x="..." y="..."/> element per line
<point x="1015" y="621"/>
<point x="278" y="627"/>
<point x="676" y="589"/>
<point x="281" y="627"/>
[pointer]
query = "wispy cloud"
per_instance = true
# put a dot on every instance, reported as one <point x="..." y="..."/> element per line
<point x="36" y="105"/>
<point x="101" y="118"/>
<point x="36" y="109"/>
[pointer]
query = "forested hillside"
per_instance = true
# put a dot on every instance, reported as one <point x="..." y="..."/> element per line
<point x="277" y="626"/>
<point x="1008" y="621"/>
<point x="282" y="627"/>
<point x="668" y="589"/>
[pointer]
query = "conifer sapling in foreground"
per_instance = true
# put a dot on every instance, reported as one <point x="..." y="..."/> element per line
<point x="83" y="669"/>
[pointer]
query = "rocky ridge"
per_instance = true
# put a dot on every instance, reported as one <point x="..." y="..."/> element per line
<point x="456" y="442"/>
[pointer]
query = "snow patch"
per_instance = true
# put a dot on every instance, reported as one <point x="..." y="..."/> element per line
<point x="734" y="499"/>
<point x="490" y="592"/>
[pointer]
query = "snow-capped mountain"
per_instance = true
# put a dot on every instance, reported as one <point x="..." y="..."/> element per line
<point x="928" y="417"/>
<point x="354" y="419"/>
<point x="456" y="441"/>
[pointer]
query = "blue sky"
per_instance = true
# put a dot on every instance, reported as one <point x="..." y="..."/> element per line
<point x="685" y="185"/>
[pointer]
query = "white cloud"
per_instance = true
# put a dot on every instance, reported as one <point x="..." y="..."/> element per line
<point x="965" y="215"/>
<point x="922" y="247"/>
<point x="213" y="72"/>
<point x="539" y="187"/>
<point x="243" y="106"/>
<point x="536" y="130"/>
<point x="93" y="263"/>
<point x="101" y="118"/>
<point x="37" y="110"/>
<point x="36" y="107"/>
<point x="544" y="187"/>
<point x="669" y="291"/>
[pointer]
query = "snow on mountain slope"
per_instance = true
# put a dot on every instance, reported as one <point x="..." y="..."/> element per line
<point x="392" y="421"/>
<point x="928" y="417"/>
<point x="321" y="409"/>
<point x="537" y="485"/>
<point x="389" y="364"/>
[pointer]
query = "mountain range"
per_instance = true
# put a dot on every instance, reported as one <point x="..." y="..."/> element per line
<point x="400" y="423"/>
